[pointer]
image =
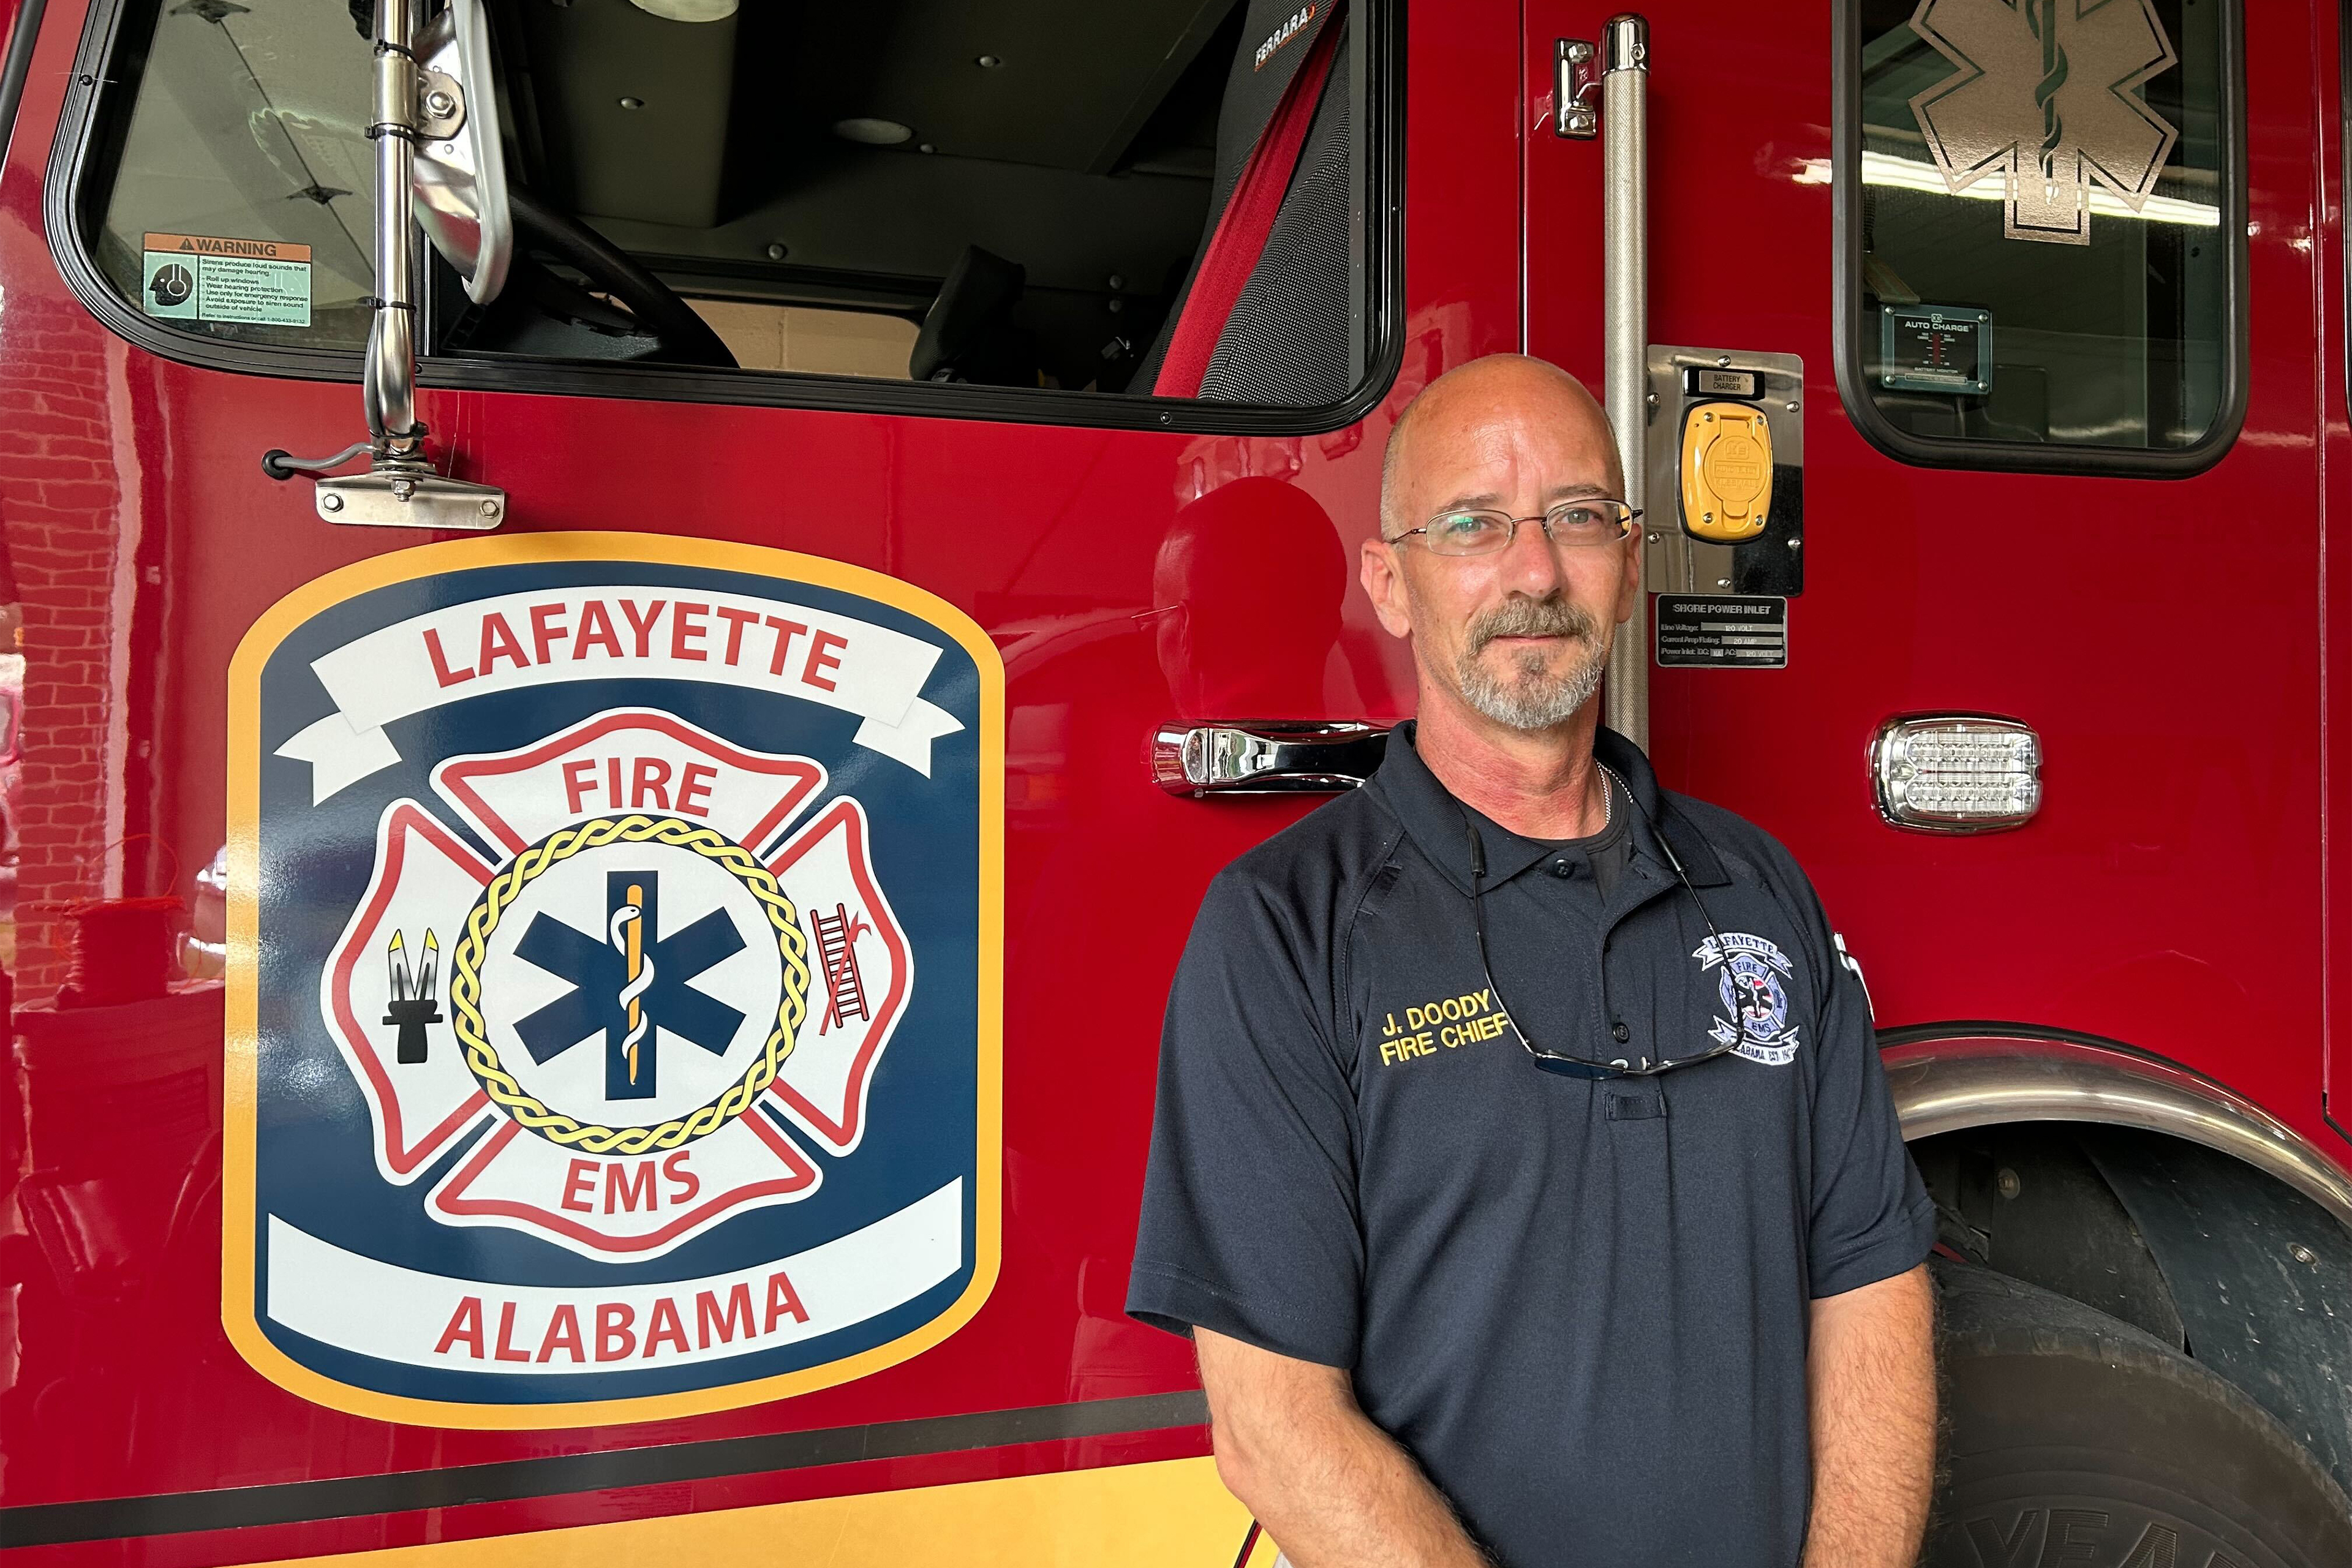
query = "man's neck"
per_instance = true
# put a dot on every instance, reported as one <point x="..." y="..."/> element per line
<point x="1538" y="784"/>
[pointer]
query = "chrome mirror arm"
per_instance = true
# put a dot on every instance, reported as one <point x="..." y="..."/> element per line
<point x="402" y="489"/>
<point x="389" y="389"/>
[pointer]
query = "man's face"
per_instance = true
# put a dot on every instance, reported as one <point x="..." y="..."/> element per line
<point x="1521" y="635"/>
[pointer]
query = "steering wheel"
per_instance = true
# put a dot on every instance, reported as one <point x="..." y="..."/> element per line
<point x="680" y="336"/>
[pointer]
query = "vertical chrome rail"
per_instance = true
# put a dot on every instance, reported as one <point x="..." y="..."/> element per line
<point x="391" y="374"/>
<point x="1625" y="285"/>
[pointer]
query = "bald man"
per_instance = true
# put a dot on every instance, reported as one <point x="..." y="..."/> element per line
<point x="1522" y="1168"/>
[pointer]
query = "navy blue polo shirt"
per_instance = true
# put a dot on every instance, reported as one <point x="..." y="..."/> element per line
<point x="1581" y="1304"/>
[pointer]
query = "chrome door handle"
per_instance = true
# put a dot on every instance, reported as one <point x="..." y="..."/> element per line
<point x="1265" y="758"/>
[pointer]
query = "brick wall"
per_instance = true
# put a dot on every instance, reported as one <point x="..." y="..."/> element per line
<point x="59" y="496"/>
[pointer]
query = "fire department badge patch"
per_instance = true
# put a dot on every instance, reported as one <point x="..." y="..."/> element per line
<point x="615" y="960"/>
<point x="1750" y="989"/>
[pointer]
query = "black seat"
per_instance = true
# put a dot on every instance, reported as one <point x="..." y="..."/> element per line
<point x="1262" y="315"/>
<point x="969" y="333"/>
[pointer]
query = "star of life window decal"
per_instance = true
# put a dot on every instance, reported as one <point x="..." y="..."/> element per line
<point x="2045" y="98"/>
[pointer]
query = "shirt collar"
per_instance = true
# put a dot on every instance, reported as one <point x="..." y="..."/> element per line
<point x="1434" y="817"/>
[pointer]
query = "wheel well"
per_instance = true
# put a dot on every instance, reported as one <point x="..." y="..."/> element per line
<point x="2027" y="1199"/>
<point x="2232" y="1266"/>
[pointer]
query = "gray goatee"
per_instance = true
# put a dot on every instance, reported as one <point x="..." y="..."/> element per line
<point x="1528" y="695"/>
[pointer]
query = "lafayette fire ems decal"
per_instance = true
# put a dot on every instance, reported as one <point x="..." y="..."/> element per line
<point x="1749" y="989"/>
<point x="614" y="984"/>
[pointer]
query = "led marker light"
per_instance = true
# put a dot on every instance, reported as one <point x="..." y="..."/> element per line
<point x="1955" y="772"/>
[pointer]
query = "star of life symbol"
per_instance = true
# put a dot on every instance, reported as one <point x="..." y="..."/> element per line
<point x="659" y="993"/>
<point x="2046" y="100"/>
<point x="1749" y="988"/>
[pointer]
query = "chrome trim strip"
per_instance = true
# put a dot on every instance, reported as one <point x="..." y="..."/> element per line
<point x="125" y="1519"/>
<point x="1979" y="1080"/>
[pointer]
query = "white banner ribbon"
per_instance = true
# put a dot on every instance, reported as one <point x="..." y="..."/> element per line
<point x="390" y="1313"/>
<point x="517" y="641"/>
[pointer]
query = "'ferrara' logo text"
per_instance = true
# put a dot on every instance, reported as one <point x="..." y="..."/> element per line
<point x="1283" y="34"/>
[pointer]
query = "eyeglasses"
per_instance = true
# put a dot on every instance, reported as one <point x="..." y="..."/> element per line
<point x="1580" y="1067"/>
<point x="1585" y="521"/>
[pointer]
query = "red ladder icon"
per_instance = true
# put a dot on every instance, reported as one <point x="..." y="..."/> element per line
<point x="837" y="945"/>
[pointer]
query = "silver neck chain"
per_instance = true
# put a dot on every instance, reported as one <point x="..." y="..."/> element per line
<point x="1609" y="785"/>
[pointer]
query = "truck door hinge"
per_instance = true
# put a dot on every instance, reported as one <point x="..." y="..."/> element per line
<point x="1576" y="90"/>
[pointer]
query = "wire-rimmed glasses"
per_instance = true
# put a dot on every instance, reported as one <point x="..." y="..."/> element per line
<point x="1584" y="522"/>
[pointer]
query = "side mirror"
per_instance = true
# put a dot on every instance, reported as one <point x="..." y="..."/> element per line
<point x="461" y="171"/>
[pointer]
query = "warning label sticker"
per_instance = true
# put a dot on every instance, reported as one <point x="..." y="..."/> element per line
<point x="1721" y="631"/>
<point x="202" y="278"/>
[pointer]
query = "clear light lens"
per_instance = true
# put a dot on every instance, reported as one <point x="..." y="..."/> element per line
<point x="1956" y="774"/>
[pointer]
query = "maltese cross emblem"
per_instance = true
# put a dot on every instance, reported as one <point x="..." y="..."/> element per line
<point x="2045" y="99"/>
<point x="618" y="978"/>
<point x="625" y="985"/>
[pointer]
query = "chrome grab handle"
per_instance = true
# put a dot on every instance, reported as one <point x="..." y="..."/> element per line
<point x="1268" y="757"/>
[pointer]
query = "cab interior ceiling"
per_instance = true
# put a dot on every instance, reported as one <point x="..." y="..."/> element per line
<point x="1084" y="154"/>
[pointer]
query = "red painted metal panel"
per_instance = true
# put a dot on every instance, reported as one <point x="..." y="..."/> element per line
<point x="2329" y="292"/>
<point x="146" y="541"/>
<point x="2161" y="635"/>
<point x="2164" y="638"/>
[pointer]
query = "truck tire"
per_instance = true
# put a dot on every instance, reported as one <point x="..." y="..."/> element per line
<point x="2071" y="1437"/>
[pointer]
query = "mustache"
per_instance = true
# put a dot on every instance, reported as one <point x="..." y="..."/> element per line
<point x="1531" y="618"/>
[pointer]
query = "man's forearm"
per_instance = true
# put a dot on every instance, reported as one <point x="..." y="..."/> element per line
<point x="1870" y="1374"/>
<point x="1330" y="1487"/>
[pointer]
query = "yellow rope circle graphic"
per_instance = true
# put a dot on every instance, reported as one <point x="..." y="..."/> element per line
<point x="535" y="1114"/>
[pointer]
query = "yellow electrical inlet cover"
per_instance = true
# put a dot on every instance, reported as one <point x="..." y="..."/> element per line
<point x="1726" y="468"/>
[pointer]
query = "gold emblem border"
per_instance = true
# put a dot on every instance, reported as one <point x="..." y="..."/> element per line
<point x="240" y="1314"/>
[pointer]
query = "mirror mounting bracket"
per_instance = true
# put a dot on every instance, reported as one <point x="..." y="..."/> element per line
<point x="397" y="491"/>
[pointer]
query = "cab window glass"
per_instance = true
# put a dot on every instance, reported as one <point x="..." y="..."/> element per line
<point x="1019" y="194"/>
<point x="2046" y="253"/>
<point x="241" y="200"/>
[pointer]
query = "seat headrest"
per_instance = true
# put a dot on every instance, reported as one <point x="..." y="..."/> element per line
<point x="968" y="328"/>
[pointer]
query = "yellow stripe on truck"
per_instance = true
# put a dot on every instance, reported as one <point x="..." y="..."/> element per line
<point x="1169" y="1514"/>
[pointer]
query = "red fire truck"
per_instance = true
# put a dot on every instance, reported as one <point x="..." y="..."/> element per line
<point x="587" y="928"/>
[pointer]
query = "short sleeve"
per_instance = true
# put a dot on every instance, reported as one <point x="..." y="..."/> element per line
<point x="1249" y="1225"/>
<point x="1872" y="1216"/>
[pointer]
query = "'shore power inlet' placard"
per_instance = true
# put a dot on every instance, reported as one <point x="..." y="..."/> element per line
<point x="202" y="277"/>
<point x="1722" y="631"/>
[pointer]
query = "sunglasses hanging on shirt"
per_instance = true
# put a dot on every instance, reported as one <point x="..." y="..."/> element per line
<point x="1579" y="1067"/>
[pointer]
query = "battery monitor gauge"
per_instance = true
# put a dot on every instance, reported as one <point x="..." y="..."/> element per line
<point x="1935" y="347"/>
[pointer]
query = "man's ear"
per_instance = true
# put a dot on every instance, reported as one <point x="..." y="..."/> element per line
<point x="1382" y="575"/>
